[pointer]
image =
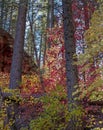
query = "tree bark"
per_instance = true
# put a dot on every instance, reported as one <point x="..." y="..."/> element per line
<point x="50" y="16"/>
<point x="2" y="13"/>
<point x="16" y="67"/>
<point x="71" y="70"/>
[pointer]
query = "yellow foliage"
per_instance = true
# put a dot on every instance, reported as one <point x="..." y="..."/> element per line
<point x="93" y="57"/>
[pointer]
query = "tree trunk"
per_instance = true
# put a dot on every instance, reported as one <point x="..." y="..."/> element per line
<point x="71" y="70"/>
<point x="33" y="37"/>
<point x="16" y="67"/>
<point x="50" y="16"/>
<point x="45" y="48"/>
<point x="2" y="13"/>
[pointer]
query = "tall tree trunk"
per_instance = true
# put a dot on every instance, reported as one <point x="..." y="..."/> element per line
<point x="45" y="48"/>
<point x="33" y="29"/>
<point x="10" y="21"/>
<point x="71" y="70"/>
<point x="40" y="51"/>
<point x="16" y="67"/>
<point x="39" y="65"/>
<point x="2" y="13"/>
<point x="50" y="16"/>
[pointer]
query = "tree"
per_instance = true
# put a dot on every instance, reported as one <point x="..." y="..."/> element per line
<point x="91" y="62"/>
<point x="50" y="15"/>
<point x="2" y="8"/>
<point x="8" y="15"/>
<point x="71" y="69"/>
<point x="16" y="67"/>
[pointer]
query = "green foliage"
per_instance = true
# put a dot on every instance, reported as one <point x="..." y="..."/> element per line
<point x="55" y="115"/>
<point x="91" y="60"/>
<point x="51" y="114"/>
<point x="11" y="97"/>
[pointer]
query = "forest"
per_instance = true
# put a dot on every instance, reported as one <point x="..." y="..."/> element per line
<point x="51" y="58"/>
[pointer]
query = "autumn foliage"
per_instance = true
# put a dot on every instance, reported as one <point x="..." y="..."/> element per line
<point x="55" y="73"/>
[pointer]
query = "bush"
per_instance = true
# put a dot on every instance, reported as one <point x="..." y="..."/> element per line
<point x="55" y="112"/>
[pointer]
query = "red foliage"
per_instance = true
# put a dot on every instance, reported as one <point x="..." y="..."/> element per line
<point x="55" y="59"/>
